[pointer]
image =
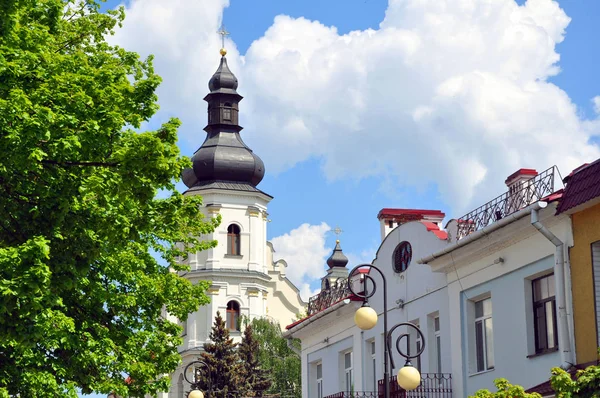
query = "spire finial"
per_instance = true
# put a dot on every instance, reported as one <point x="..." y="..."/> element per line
<point x="223" y="33"/>
<point x="337" y="231"/>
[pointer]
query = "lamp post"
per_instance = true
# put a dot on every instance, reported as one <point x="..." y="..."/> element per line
<point x="365" y="318"/>
<point x="197" y="368"/>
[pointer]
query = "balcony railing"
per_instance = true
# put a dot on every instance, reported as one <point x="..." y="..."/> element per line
<point x="327" y="297"/>
<point x="433" y="385"/>
<point x="354" y="394"/>
<point x="509" y="202"/>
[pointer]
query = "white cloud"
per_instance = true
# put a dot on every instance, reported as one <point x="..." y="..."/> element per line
<point x="306" y="292"/>
<point x="304" y="250"/>
<point x="596" y="102"/>
<point x="453" y="92"/>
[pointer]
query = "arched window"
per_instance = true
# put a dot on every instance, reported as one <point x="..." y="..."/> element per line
<point x="233" y="315"/>
<point x="227" y="111"/>
<point x="233" y="240"/>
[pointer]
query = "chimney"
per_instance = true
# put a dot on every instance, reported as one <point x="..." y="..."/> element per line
<point x="391" y="218"/>
<point x="520" y="192"/>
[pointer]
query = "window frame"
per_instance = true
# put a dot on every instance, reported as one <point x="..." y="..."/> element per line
<point x="234" y="245"/>
<point x="232" y="316"/>
<point x="437" y="336"/>
<point x="541" y="303"/>
<point x="373" y="346"/>
<point x="227" y="112"/>
<point x="487" y="343"/>
<point x="319" y="379"/>
<point x="348" y="371"/>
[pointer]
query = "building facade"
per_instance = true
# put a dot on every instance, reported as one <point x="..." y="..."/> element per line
<point x="509" y="289"/>
<point x="581" y="200"/>
<point x="338" y="357"/>
<point x="246" y="281"/>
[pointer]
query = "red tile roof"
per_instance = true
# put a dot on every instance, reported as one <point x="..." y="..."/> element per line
<point x="583" y="184"/>
<point x="404" y="212"/>
<point x="431" y="227"/>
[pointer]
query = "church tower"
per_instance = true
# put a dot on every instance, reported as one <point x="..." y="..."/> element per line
<point x="245" y="280"/>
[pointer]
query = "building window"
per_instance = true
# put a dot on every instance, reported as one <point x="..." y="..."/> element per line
<point x="438" y="344"/>
<point x="348" y="371"/>
<point x="484" y="335"/>
<point x="227" y="111"/>
<point x="391" y="224"/>
<point x="233" y="315"/>
<point x="544" y="314"/>
<point x="373" y="366"/>
<point x="233" y="240"/>
<point x="401" y="257"/>
<point x="320" y="380"/>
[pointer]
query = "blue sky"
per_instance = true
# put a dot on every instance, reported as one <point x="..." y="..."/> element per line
<point x="425" y="105"/>
<point x="305" y="192"/>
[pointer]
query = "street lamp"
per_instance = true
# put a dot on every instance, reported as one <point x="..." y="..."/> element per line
<point x="365" y="318"/>
<point x="197" y="368"/>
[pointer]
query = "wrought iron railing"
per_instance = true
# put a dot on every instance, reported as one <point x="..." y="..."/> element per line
<point x="329" y="296"/>
<point x="433" y="385"/>
<point x="509" y="202"/>
<point x="354" y="394"/>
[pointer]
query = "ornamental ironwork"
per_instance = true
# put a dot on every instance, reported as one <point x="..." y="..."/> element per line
<point x="327" y="297"/>
<point x="516" y="198"/>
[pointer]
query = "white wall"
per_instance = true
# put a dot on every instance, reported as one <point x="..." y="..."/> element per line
<point x="473" y="271"/>
<point x="424" y="293"/>
<point x="252" y="279"/>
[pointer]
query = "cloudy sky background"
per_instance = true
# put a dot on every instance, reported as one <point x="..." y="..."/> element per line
<point x="356" y="105"/>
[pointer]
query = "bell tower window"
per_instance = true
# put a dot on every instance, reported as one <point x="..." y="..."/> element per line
<point x="233" y="240"/>
<point x="227" y="111"/>
<point x="233" y="315"/>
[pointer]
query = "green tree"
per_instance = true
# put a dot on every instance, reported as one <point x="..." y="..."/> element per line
<point x="505" y="390"/>
<point x="82" y="297"/>
<point x="585" y="384"/>
<point x="254" y="380"/>
<point x="277" y="358"/>
<point x="221" y="375"/>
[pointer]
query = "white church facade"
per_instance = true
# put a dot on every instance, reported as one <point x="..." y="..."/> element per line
<point x="245" y="279"/>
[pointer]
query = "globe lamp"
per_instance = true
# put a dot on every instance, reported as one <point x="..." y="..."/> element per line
<point x="409" y="377"/>
<point x="365" y="317"/>
<point x="196" y="394"/>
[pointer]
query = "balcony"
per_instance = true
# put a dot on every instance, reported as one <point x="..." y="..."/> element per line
<point x="433" y="385"/>
<point x="517" y="198"/>
<point x="327" y="297"/>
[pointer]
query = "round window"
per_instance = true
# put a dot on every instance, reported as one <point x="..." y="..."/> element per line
<point x="402" y="256"/>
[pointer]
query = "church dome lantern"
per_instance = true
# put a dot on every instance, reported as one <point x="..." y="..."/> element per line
<point x="223" y="157"/>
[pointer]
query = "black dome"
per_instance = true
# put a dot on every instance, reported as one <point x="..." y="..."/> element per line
<point x="223" y="80"/>
<point x="337" y="258"/>
<point x="224" y="156"/>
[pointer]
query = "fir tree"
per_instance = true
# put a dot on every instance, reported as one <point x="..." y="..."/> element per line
<point x="222" y="373"/>
<point x="254" y="381"/>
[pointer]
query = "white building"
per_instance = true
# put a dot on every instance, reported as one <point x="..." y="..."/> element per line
<point x="337" y="357"/>
<point x="509" y="290"/>
<point x="245" y="279"/>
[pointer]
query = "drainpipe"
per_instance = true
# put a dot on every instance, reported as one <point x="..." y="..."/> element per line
<point x="569" y="303"/>
<point x="564" y="341"/>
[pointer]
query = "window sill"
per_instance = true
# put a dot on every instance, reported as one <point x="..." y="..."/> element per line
<point x="238" y="256"/>
<point x="541" y="353"/>
<point x="482" y="372"/>
<point x="235" y="332"/>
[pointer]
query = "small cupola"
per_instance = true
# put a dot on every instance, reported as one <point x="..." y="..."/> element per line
<point x="337" y="272"/>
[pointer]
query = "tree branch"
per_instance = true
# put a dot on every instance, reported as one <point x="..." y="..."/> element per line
<point x="70" y="163"/>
